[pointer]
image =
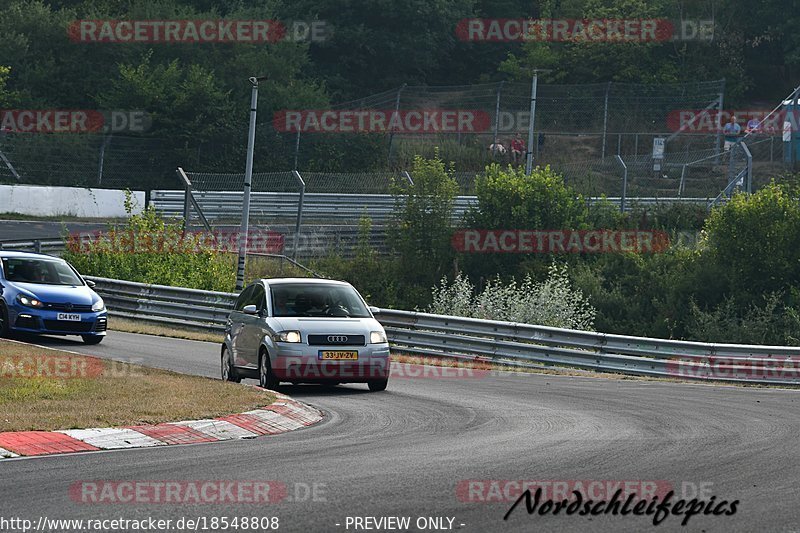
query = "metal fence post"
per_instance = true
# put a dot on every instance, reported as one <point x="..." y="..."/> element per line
<point x="106" y="141"/>
<point x="529" y="154"/>
<point x="605" y="119"/>
<point x="396" y="111"/>
<point x="624" y="184"/>
<point x="497" y="117"/>
<point x="187" y="204"/>
<point x="683" y="181"/>
<point x="718" y="144"/>
<point x="37" y="246"/>
<point x="296" y="148"/>
<point x="749" y="161"/>
<point x="248" y="185"/>
<point x="299" y="221"/>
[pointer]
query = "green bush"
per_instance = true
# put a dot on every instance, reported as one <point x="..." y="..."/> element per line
<point x="148" y="250"/>
<point x="753" y="243"/>
<point x="421" y="229"/>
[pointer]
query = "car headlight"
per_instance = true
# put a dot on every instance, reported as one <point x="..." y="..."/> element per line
<point x="288" y="336"/>
<point x="377" y="337"/>
<point x="29" y="301"/>
<point x="99" y="305"/>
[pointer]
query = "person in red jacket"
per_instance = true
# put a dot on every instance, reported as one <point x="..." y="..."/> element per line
<point x="517" y="149"/>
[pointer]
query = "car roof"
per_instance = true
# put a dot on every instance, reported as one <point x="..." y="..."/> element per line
<point x="28" y="255"/>
<point x="308" y="281"/>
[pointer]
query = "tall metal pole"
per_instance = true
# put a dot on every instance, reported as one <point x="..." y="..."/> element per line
<point x="396" y="112"/>
<point x="529" y="155"/>
<point x="497" y="118"/>
<point x="248" y="180"/>
<point x="605" y="119"/>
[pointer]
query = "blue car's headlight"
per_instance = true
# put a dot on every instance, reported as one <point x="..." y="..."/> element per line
<point x="99" y="305"/>
<point x="29" y="301"/>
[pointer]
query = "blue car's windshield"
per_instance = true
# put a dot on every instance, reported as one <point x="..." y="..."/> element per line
<point x="39" y="270"/>
<point x="305" y="299"/>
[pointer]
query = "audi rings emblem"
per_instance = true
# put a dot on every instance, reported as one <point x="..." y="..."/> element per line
<point x="336" y="339"/>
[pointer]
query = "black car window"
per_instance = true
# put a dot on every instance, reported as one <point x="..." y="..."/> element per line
<point x="317" y="299"/>
<point x="242" y="300"/>
<point x="258" y="297"/>
<point x="43" y="271"/>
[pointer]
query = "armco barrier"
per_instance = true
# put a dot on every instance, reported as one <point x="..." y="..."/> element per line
<point x="326" y="207"/>
<point x="504" y="342"/>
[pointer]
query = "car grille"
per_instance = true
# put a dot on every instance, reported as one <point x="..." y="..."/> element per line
<point x="102" y="325"/>
<point x="72" y="327"/>
<point x="336" y="339"/>
<point x="75" y="308"/>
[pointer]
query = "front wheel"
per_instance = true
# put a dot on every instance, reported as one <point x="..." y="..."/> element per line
<point x="92" y="339"/>
<point x="266" y="378"/>
<point x="378" y="385"/>
<point x="228" y="373"/>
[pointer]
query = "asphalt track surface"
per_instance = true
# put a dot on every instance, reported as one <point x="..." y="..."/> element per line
<point x="43" y="229"/>
<point x="403" y="452"/>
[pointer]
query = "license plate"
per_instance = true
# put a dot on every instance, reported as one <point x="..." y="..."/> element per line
<point x="338" y="355"/>
<point x="69" y="317"/>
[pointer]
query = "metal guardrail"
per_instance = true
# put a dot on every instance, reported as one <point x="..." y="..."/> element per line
<point x="316" y="241"/>
<point x="331" y="208"/>
<point x="502" y="342"/>
<point x="45" y="246"/>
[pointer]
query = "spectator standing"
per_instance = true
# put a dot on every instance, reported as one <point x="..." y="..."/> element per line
<point x="731" y="132"/>
<point x="517" y="148"/>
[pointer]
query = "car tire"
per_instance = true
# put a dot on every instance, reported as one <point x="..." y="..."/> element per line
<point x="228" y="372"/>
<point x="93" y="339"/>
<point x="378" y="385"/>
<point x="5" y="327"/>
<point x="266" y="378"/>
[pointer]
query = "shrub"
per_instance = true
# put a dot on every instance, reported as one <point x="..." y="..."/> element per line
<point x="552" y="302"/>
<point x="421" y="229"/>
<point x="148" y="250"/>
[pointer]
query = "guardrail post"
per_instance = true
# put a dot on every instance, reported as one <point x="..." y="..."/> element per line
<point x="37" y="246"/>
<point x="299" y="221"/>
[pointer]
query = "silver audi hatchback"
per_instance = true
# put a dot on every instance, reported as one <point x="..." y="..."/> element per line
<point x="303" y="330"/>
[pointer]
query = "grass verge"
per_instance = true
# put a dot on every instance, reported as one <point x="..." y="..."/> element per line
<point x="44" y="389"/>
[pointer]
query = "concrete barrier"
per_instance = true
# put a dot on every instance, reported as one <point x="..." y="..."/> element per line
<point x="38" y="200"/>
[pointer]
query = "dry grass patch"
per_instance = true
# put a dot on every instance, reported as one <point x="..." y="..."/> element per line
<point x="47" y="390"/>
<point x="150" y="328"/>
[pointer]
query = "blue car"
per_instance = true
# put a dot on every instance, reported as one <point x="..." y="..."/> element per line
<point x="45" y="295"/>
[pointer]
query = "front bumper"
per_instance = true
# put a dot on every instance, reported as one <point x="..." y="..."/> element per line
<point x="45" y="322"/>
<point x="302" y="364"/>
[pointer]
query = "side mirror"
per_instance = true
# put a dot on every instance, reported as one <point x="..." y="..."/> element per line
<point x="250" y="310"/>
<point x="89" y="283"/>
<point x="374" y="310"/>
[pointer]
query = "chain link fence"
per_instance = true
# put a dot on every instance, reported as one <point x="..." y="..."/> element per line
<point x="581" y="131"/>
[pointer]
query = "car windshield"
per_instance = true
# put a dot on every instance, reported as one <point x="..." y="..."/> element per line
<point x="41" y="271"/>
<point x="299" y="299"/>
